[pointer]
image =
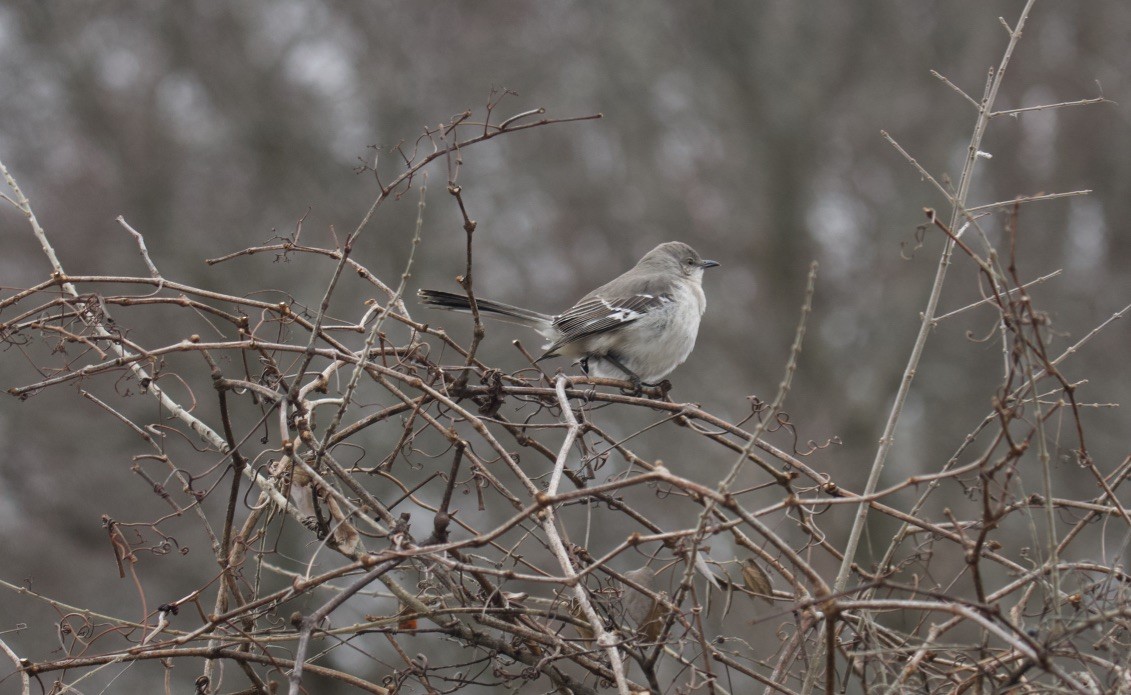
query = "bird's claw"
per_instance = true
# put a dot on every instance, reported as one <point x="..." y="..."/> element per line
<point x="637" y="386"/>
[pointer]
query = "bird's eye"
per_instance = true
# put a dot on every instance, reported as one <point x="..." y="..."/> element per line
<point x="689" y="261"/>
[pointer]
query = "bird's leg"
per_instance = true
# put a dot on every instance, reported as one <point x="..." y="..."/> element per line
<point x="632" y="376"/>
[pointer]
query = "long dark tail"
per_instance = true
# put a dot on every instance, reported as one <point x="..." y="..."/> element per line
<point x="503" y="312"/>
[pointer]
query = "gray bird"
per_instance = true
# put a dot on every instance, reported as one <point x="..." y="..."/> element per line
<point x="639" y="326"/>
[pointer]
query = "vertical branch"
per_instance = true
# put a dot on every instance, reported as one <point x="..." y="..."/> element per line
<point x="958" y="210"/>
<point x="227" y="583"/>
<point x="605" y="640"/>
<point x="465" y="281"/>
<point x="443" y="517"/>
<point x="375" y="331"/>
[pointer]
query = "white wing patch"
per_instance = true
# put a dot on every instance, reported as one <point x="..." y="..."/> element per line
<point x="597" y="314"/>
<point x="619" y="314"/>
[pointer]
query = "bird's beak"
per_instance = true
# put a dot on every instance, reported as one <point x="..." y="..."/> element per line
<point x="708" y="264"/>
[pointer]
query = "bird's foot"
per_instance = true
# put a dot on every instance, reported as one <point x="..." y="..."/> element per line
<point x="637" y="386"/>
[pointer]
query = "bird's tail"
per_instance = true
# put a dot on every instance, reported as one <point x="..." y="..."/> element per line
<point x="497" y="310"/>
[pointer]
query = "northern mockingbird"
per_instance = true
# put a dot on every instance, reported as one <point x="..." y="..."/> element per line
<point x="640" y="326"/>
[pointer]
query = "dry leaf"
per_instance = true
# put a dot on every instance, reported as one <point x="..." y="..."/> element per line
<point x="757" y="581"/>
<point x="407" y="618"/>
<point x="655" y="622"/>
<point x="645" y="612"/>
<point x="586" y="631"/>
<point x="346" y="537"/>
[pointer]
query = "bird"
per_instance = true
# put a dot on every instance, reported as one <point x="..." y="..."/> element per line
<point x="637" y="327"/>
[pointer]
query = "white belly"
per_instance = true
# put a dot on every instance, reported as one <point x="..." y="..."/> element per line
<point x="653" y="345"/>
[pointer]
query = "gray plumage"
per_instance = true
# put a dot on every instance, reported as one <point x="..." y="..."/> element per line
<point x="641" y="325"/>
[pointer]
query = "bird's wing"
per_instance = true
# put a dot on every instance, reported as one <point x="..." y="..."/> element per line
<point x="597" y="314"/>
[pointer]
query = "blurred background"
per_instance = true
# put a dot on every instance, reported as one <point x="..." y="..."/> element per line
<point x="750" y="130"/>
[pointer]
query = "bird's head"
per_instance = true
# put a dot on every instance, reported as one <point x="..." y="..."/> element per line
<point x="678" y="257"/>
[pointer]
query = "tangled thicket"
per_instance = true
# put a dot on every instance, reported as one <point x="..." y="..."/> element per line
<point x="362" y="459"/>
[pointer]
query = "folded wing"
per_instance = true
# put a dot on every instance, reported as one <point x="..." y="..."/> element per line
<point x="596" y="314"/>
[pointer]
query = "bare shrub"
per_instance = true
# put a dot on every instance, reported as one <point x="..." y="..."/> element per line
<point x="486" y="529"/>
